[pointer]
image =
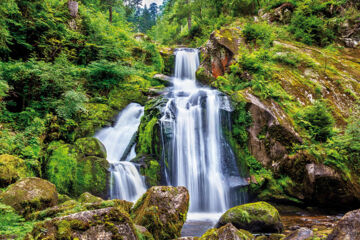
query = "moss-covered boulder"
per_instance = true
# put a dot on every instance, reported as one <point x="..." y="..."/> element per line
<point x="258" y="217"/>
<point x="30" y="195"/>
<point x="162" y="210"/>
<point x="227" y="232"/>
<point x="143" y="233"/>
<point x="12" y="169"/>
<point x="90" y="147"/>
<point x="105" y="224"/>
<point x="89" y="198"/>
<point x="72" y="206"/>
<point x="74" y="171"/>
<point x="150" y="168"/>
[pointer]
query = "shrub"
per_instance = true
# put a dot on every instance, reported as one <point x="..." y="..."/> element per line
<point x="311" y="29"/>
<point x="259" y="33"/>
<point x="317" y="120"/>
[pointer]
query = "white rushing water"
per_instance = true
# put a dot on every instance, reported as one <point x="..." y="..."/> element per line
<point x="194" y="145"/>
<point x="126" y="183"/>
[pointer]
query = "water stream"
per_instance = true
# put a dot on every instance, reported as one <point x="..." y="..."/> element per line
<point x="126" y="182"/>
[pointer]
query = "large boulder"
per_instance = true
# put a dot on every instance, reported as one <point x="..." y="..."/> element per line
<point x="12" y="169"/>
<point x="30" y="195"/>
<point x="162" y="210"/>
<point x="258" y="217"/>
<point x="105" y="224"/>
<point x="347" y="228"/>
<point x="227" y="232"/>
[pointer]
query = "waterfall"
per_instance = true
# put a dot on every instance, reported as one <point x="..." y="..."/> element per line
<point x="196" y="153"/>
<point x="126" y="183"/>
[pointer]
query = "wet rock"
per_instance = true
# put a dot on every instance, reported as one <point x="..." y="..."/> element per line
<point x="227" y="232"/>
<point x="12" y="169"/>
<point x="347" y="228"/>
<point x="164" y="79"/>
<point x="105" y="224"/>
<point x="30" y="195"/>
<point x="300" y="234"/>
<point x="259" y="217"/>
<point x="162" y="210"/>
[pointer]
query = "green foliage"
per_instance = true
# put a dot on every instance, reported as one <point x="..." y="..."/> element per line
<point x="72" y="104"/>
<point x="317" y="120"/>
<point x="13" y="226"/>
<point x="259" y="33"/>
<point x="311" y="29"/>
<point x="61" y="168"/>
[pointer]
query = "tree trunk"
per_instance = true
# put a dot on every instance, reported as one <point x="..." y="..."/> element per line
<point x="189" y="16"/>
<point x="73" y="8"/>
<point x="110" y="14"/>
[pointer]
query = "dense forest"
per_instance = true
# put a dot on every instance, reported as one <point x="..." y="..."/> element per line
<point x="291" y="70"/>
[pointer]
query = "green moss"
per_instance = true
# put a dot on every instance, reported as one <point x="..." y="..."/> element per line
<point x="146" y="136"/>
<point x="61" y="168"/>
<point x="12" y="169"/>
<point x="254" y="217"/>
<point x="73" y="174"/>
<point x="90" y="147"/>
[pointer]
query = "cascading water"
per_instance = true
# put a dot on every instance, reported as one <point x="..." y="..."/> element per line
<point x="126" y="182"/>
<point x="195" y="151"/>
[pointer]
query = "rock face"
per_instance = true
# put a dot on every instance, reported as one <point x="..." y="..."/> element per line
<point x="227" y="232"/>
<point x="259" y="217"/>
<point x="29" y="195"/>
<point x="323" y="183"/>
<point x="347" y="228"/>
<point x="12" y="169"/>
<point x="105" y="224"/>
<point x="162" y="211"/>
<point x="271" y="133"/>
<point x="218" y="53"/>
<point x="300" y="234"/>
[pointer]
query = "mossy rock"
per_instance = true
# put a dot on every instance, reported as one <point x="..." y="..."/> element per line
<point x="89" y="198"/>
<point x="150" y="168"/>
<point x="72" y="206"/>
<point x="227" y="232"/>
<point x="92" y="176"/>
<point x="74" y="174"/>
<point x="258" y="217"/>
<point x="90" y="146"/>
<point x="98" y="116"/>
<point x="12" y="169"/>
<point x="106" y="224"/>
<point x="162" y="210"/>
<point x="143" y="233"/>
<point x="29" y="195"/>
